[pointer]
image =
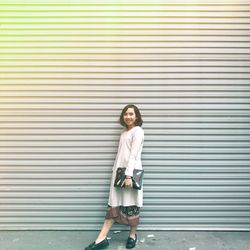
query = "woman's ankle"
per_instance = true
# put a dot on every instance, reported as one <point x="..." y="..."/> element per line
<point x="132" y="235"/>
<point x="100" y="239"/>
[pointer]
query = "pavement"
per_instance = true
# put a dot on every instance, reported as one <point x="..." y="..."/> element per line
<point x="151" y="240"/>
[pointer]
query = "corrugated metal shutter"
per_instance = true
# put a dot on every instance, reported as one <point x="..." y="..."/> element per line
<point x="68" y="68"/>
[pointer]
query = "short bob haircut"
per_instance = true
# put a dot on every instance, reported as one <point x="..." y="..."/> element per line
<point x="138" y="121"/>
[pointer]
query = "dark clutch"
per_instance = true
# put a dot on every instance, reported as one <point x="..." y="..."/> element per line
<point x="137" y="178"/>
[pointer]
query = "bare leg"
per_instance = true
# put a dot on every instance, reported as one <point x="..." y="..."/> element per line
<point x="132" y="232"/>
<point x="108" y="223"/>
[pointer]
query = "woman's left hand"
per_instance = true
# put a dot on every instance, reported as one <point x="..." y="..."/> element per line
<point x="128" y="183"/>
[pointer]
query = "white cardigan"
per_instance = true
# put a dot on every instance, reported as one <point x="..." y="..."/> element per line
<point x="128" y="156"/>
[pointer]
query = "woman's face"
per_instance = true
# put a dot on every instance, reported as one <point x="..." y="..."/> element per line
<point x="129" y="118"/>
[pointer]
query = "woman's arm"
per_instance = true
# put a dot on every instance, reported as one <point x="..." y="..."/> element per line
<point x="135" y="153"/>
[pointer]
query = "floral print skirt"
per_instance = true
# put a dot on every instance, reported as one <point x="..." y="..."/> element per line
<point x="124" y="215"/>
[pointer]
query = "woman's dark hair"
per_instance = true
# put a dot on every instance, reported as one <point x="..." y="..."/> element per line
<point x="138" y="121"/>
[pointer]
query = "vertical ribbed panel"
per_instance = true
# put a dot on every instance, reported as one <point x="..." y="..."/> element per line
<point x="67" y="70"/>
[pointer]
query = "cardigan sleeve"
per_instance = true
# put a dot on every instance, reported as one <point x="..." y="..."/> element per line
<point x="135" y="152"/>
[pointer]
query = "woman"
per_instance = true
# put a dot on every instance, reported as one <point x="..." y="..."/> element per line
<point x="124" y="203"/>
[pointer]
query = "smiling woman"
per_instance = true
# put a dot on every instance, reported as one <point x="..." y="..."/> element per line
<point x="124" y="203"/>
<point x="130" y="116"/>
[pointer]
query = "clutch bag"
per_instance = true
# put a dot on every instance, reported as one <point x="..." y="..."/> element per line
<point x="137" y="178"/>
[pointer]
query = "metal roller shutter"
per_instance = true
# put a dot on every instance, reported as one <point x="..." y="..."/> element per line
<point x="67" y="70"/>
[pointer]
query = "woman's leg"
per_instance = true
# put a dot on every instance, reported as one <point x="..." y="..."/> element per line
<point x="132" y="232"/>
<point x="132" y="239"/>
<point x="108" y="223"/>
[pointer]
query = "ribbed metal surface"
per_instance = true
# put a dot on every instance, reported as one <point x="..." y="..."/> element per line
<point x="67" y="70"/>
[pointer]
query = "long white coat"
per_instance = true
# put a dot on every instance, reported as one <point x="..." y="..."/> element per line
<point x="129" y="157"/>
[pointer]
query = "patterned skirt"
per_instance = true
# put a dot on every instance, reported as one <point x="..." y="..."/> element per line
<point x="124" y="215"/>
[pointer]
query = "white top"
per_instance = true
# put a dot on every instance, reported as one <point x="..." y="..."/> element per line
<point x="129" y="157"/>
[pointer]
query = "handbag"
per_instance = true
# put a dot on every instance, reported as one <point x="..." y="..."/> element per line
<point x="137" y="178"/>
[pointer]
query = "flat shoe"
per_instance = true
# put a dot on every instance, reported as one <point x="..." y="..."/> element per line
<point x="131" y="242"/>
<point x="101" y="245"/>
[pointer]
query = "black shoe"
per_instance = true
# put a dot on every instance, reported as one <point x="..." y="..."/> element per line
<point x="131" y="242"/>
<point x="101" y="245"/>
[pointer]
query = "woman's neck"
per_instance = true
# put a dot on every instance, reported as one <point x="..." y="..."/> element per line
<point x="130" y="127"/>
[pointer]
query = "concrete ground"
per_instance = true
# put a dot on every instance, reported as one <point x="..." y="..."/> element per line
<point x="152" y="240"/>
